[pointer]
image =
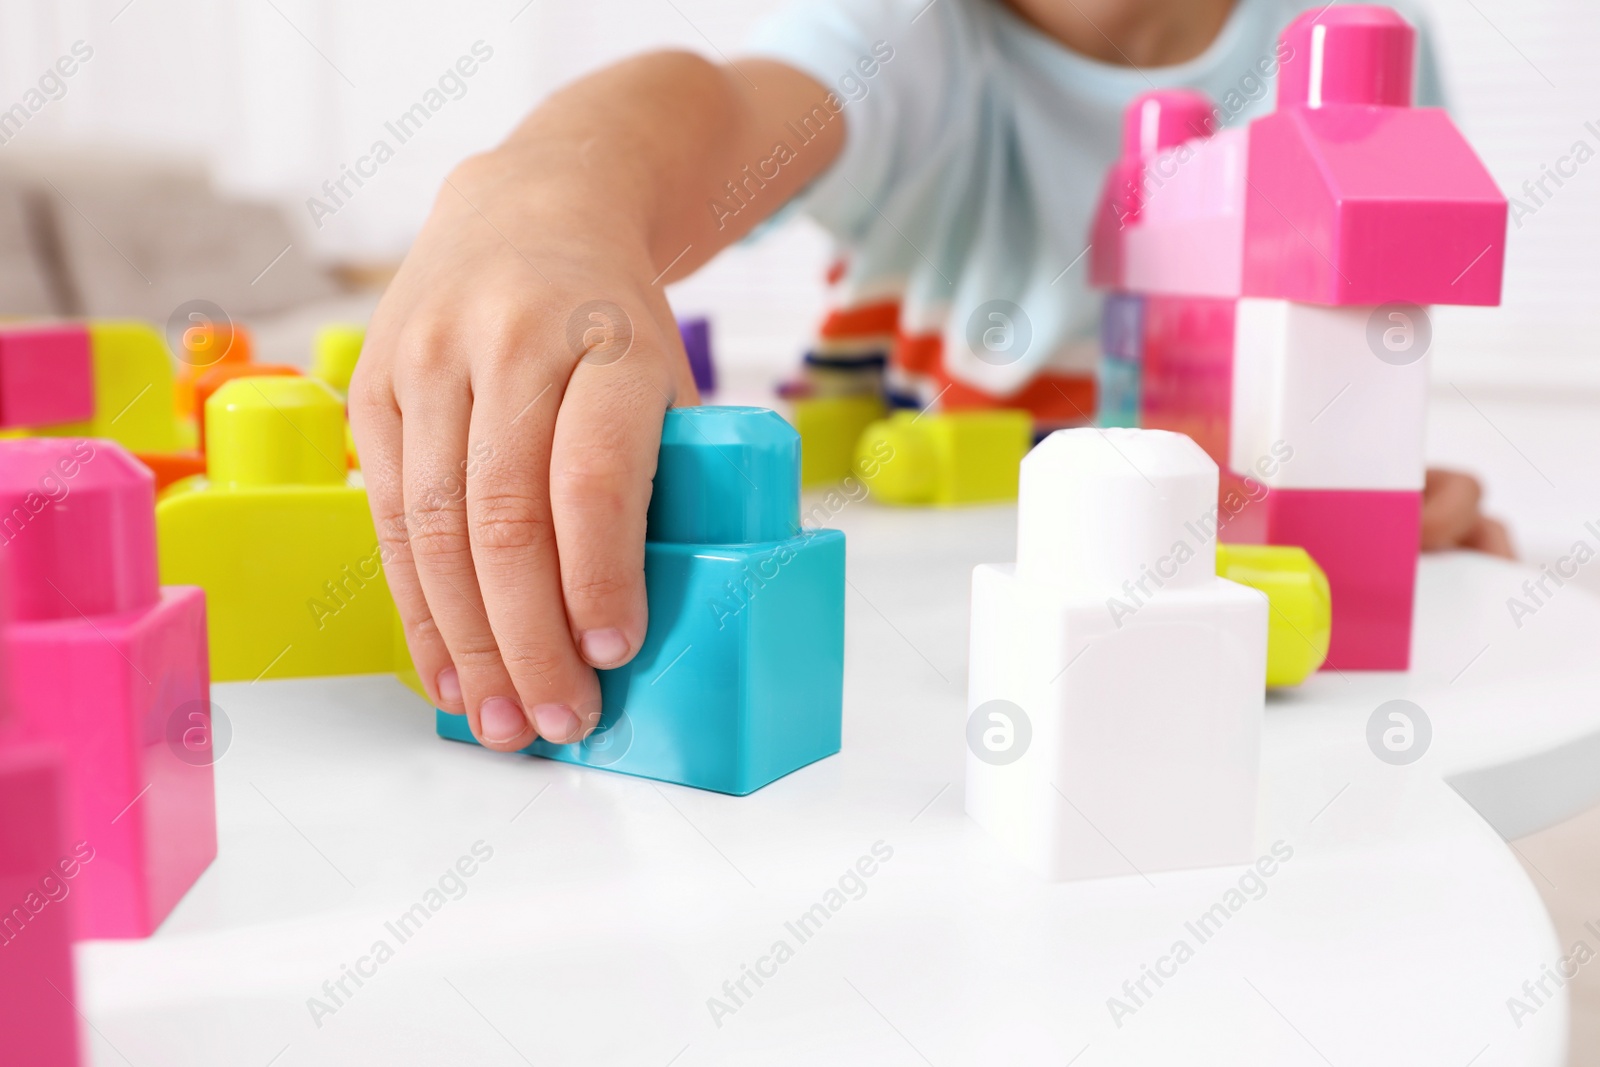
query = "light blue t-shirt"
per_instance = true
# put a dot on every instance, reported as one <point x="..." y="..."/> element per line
<point x="974" y="154"/>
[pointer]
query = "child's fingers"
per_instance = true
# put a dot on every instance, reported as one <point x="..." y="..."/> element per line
<point x="375" y="422"/>
<point x="607" y="439"/>
<point x="1449" y="509"/>
<point x="514" y="545"/>
<point x="435" y="405"/>
<point x="1492" y="537"/>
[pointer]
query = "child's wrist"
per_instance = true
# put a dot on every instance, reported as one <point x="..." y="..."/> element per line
<point x="542" y="205"/>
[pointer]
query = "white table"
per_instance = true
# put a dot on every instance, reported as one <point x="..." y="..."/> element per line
<point x="613" y="908"/>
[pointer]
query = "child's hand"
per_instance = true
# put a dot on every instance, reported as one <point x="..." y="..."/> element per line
<point x="510" y="472"/>
<point x="508" y="402"/>
<point x="1451" y="519"/>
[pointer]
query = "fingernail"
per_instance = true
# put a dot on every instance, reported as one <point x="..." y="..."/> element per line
<point x="448" y="686"/>
<point x="502" y="719"/>
<point x="602" y="648"/>
<point x="556" y="722"/>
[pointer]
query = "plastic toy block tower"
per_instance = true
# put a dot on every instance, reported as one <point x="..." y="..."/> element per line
<point x="1283" y="270"/>
<point x="279" y="537"/>
<point x="740" y="679"/>
<point x="1116" y="684"/>
<point x="110" y="669"/>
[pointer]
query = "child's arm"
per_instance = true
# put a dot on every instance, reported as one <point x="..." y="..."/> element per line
<point x="509" y="476"/>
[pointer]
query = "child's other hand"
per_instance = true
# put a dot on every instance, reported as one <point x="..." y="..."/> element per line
<point x="1451" y="519"/>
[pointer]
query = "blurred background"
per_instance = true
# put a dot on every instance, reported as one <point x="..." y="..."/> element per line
<point x="186" y="154"/>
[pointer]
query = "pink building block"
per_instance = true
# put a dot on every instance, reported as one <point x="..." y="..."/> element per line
<point x="1152" y="122"/>
<point x="1190" y="236"/>
<point x="38" y="871"/>
<point x="46" y="375"/>
<point x="1356" y="197"/>
<point x="113" y="671"/>
<point x="1188" y="369"/>
<point x="1366" y="542"/>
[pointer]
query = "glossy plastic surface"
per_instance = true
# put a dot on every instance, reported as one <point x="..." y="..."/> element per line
<point x="115" y="676"/>
<point x="38" y="869"/>
<point x="76" y="529"/>
<point x="46" y="375"/>
<point x="1321" y="381"/>
<point x="1301" y="617"/>
<point x="204" y="346"/>
<point x="1355" y="197"/>
<point x="1115" y="689"/>
<point x="947" y="459"/>
<point x="829" y="427"/>
<point x="216" y="377"/>
<point x="725" y="475"/>
<point x="279" y="538"/>
<point x="1188" y="379"/>
<point x="1190" y="234"/>
<point x="275" y="431"/>
<point x="133" y="390"/>
<point x="1347" y="54"/>
<point x="1153" y="121"/>
<point x="740" y="677"/>
<point x="1367" y="544"/>
<point x="334" y="352"/>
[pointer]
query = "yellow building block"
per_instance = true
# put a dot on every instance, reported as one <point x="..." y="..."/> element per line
<point x="334" y="353"/>
<point x="279" y="536"/>
<point x="133" y="390"/>
<point x="404" y="669"/>
<point x="963" y="457"/>
<point x="1301" y="619"/>
<point x="829" y="428"/>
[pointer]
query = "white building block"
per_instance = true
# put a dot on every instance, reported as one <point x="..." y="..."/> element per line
<point x="1344" y="388"/>
<point x="1115" y="693"/>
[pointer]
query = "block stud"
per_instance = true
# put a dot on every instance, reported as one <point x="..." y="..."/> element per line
<point x="726" y="476"/>
<point x="1360" y="54"/>
<point x="1098" y="507"/>
<point x="275" y="431"/>
<point x="77" y="524"/>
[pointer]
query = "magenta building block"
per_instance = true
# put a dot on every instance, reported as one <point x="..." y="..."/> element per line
<point x="1190" y="236"/>
<point x="113" y="671"/>
<point x="1188" y="369"/>
<point x="39" y="868"/>
<point x="1152" y="122"/>
<point x="1367" y="542"/>
<point x="1356" y="197"/>
<point x="46" y="375"/>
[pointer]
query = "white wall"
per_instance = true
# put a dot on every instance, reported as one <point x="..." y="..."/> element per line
<point x="277" y="94"/>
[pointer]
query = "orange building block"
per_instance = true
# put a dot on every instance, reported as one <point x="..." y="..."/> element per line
<point x="169" y="467"/>
<point x="203" y="348"/>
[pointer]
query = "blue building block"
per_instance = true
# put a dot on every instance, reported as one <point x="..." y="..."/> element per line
<point x="1121" y="360"/>
<point x="741" y="675"/>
